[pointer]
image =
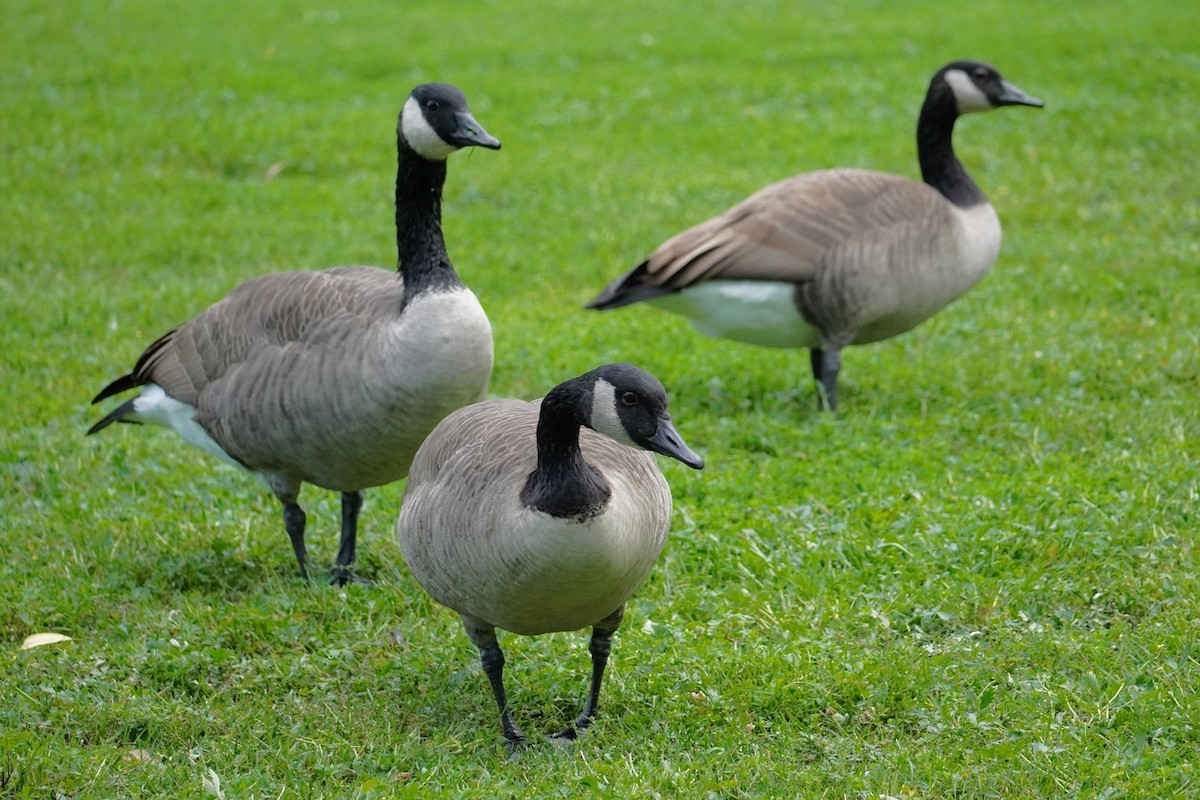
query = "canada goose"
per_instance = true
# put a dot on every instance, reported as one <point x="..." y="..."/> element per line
<point x="838" y="257"/>
<point x="333" y="377"/>
<point x="516" y="519"/>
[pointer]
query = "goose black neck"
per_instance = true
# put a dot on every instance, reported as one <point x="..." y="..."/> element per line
<point x="563" y="484"/>
<point x="940" y="168"/>
<point x="423" y="261"/>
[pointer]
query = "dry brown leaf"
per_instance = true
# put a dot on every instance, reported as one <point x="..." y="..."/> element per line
<point x="141" y="756"/>
<point x="39" y="639"/>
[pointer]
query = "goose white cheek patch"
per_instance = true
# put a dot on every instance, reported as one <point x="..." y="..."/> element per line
<point x="604" y="413"/>
<point x="420" y="136"/>
<point x="967" y="95"/>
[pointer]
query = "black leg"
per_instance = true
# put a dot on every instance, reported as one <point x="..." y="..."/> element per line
<point x="293" y="523"/>
<point x="351" y="505"/>
<point x="814" y="359"/>
<point x="492" y="658"/>
<point x="826" y="363"/>
<point x="600" y="647"/>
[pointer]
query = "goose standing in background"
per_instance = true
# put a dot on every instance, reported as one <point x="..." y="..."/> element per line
<point x="334" y="377"/>
<point x="842" y="256"/>
<point x="517" y="519"/>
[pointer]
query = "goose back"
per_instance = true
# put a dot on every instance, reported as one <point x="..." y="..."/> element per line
<point x="271" y="311"/>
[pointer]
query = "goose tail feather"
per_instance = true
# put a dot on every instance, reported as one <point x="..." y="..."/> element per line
<point x="118" y="414"/>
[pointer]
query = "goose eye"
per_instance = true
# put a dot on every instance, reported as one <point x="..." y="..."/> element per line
<point x="980" y="73"/>
<point x="432" y="105"/>
<point x="629" y="399"/>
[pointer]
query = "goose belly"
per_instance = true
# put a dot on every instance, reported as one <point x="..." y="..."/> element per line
<point x="525" y="571"/>
<point x="756" y="312"/>
<point x="579" y="574"/>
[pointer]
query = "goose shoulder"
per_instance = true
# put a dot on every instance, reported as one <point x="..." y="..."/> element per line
<point x="483" y="453"/>
<point x="473" y="444"/>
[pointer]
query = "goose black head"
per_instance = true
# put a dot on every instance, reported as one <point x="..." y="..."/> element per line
<point x="630" y="406"/>
<point x="435" y="121"/>
<point x="977" y="86"/>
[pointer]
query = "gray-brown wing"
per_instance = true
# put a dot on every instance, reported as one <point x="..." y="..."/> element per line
<point x="273" y="311"/>
<point x="479" y="438"/>
<point x="784" y="232"/>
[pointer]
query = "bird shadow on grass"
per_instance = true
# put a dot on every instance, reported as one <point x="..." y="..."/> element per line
<point x="222" y="568"/>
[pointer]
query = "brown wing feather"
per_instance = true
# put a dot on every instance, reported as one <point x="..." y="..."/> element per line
<point x="271" y="311"/>
<point x="784" y="232"/>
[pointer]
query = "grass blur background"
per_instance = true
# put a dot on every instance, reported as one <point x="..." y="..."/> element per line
<point x="978" y="579"/>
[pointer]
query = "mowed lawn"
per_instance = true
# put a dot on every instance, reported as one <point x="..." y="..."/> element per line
<point x="978" y="579"/>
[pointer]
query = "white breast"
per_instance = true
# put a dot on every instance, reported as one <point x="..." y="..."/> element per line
<point x="442" y="337"/>
<point x="978" y="240"/>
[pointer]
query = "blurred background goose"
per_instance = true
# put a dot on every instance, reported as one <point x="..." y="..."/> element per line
<point x="333" y="377"/>
<point x="517" y="519"/>
<point x="838" y="257"/>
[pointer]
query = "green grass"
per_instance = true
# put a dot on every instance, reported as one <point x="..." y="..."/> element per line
<point x="979" y="579"/>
